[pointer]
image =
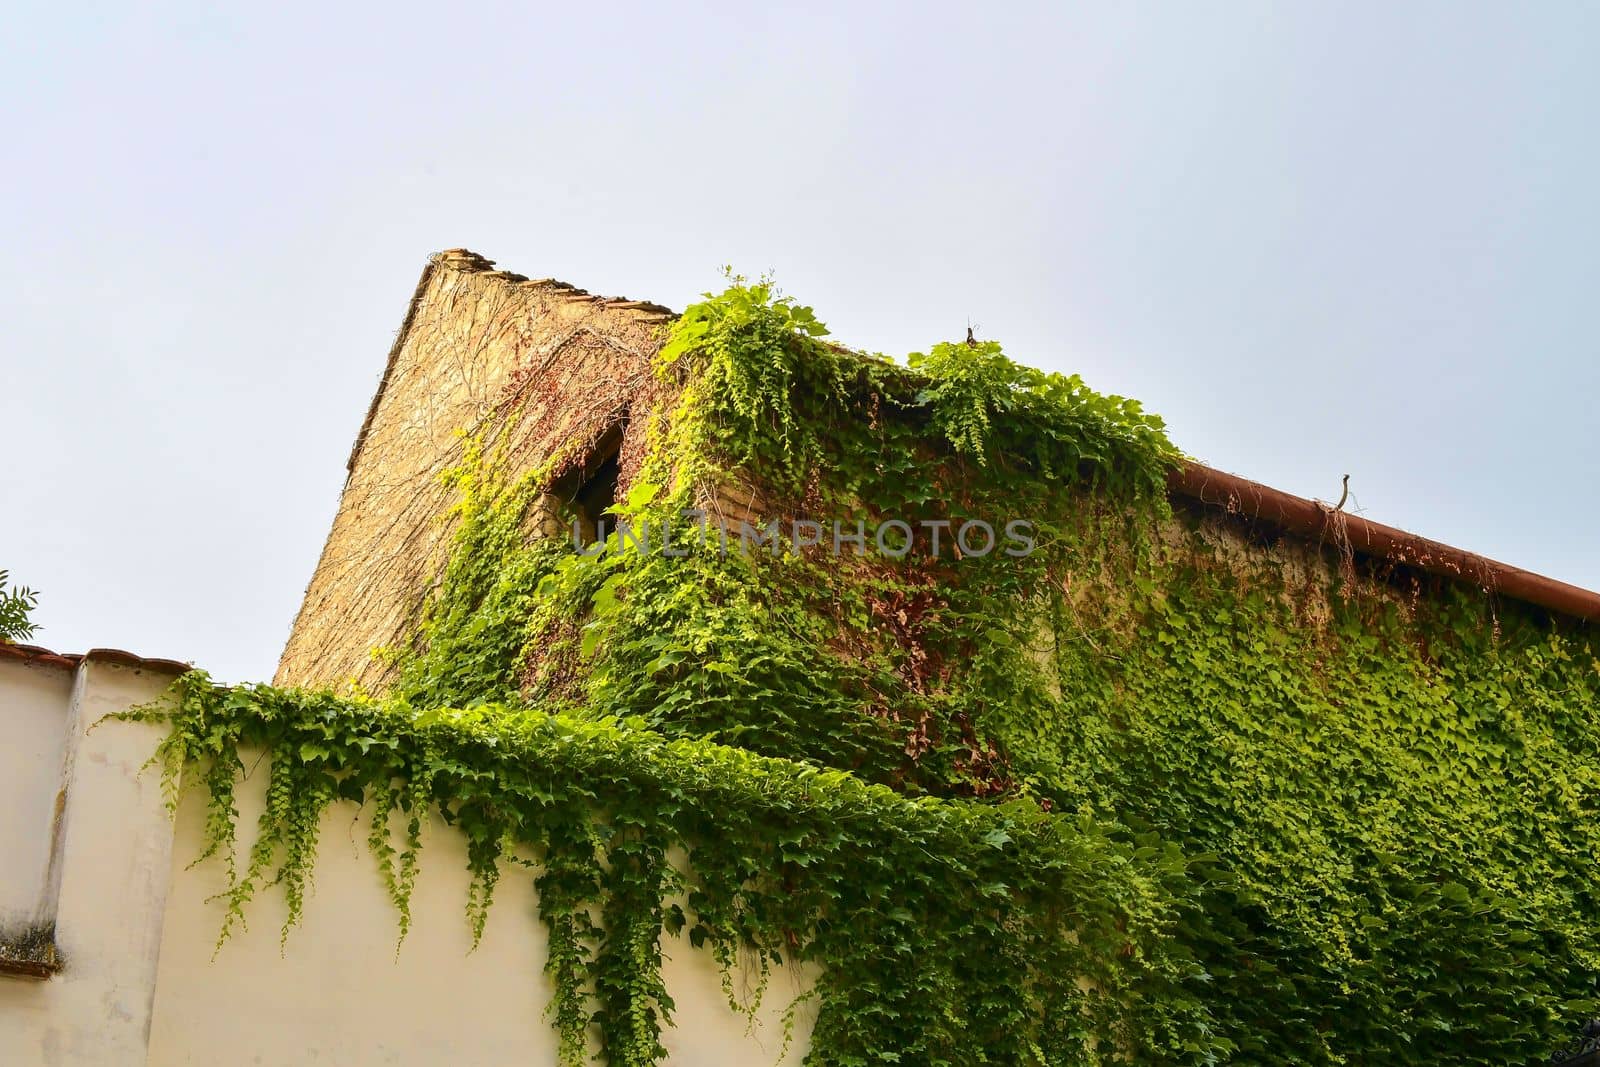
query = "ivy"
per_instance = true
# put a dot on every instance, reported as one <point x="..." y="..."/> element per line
<point x="752" y="347"/>
<point x="973" y="391"/>
<point x="1158" y="790"/>
<point x="1402" y="796"/>
<point x="941" y="926"/>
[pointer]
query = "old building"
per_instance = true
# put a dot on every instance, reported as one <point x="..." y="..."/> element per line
<point x="477" y="342"/>
<point x="1216" y="774"/>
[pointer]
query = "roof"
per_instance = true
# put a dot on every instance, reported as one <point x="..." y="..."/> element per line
<point x="43" y="657"/>
<point x="462" y="259"/>
<point x="1194" y="482"/>
<point x="1322" y="523"/>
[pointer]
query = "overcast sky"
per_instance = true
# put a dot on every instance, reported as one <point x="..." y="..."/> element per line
<point x="1317" y="238"/>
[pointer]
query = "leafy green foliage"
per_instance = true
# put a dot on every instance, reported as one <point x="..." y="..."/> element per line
<point x="942" y="927"/>
<point x="1398" y="797"/>
<point x="1154" y="792"/>
<point x="974" y="390"/>
<point x="750" y="349"/>
<point x="901" y="671"/>
<point x="16" y="605"/>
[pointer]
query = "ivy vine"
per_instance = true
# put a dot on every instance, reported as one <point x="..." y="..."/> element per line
<point x="1160" y="790"/>
<point x="940" y="926"/>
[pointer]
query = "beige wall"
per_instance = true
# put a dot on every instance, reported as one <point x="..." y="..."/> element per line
<point x="476" y="344"/>
<point x="338" y="992"/>
<point x="37" y="694"/>
<point x="105" y="879"/>
<point x="138" y="983"/>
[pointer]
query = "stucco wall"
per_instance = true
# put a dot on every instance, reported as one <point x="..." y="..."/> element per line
<point x="105" y="878"/>
<point x="476" y="346"/>
<point x="338" y="992"/>
<point x="141" y="980"/>
<point x="37" y="695"/>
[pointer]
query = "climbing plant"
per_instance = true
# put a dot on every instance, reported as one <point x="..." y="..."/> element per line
<point x="1401" y="793"/>
<point x="940" y="926"/>
<point x="1143" y="787"/>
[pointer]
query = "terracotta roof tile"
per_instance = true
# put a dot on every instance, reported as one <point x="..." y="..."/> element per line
<point x="71" y="660"/>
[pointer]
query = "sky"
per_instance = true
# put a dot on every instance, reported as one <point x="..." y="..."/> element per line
<point x="1317" y="238"/>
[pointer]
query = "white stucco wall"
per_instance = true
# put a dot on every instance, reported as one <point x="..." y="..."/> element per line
<point x="34" y="696"/>
<point x="105" y="881"/>
<point x="337" y="991"/>
<point x="139" y="984"/>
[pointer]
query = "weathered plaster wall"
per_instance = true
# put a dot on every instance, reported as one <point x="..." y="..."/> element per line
<point x="34" y="710"/>
<point x="105" y="880"/>
<point x="338" y="992"/>
<point x="476" y="345"/>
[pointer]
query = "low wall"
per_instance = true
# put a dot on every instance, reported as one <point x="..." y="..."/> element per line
<point x="139" y="978"/>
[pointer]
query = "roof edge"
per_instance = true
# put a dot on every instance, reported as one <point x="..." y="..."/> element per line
<point x="1193" y="481"/>
<point x="44" y="657"/>
<point x="394" y="356"/>
<point x="1320" y="522"/>
<point x="470" y="262"/>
